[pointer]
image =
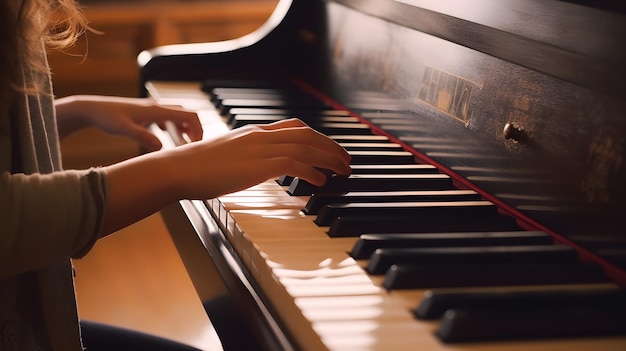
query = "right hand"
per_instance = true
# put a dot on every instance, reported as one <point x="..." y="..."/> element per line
<point x="252" y="154"/>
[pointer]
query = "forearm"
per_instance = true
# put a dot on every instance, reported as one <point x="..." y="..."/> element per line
<point x="138" y="188"/>
<point x="203" y="170"/>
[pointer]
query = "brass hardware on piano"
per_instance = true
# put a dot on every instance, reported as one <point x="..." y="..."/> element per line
<point x="514" y="133"/>
<point x="486" y="207"/>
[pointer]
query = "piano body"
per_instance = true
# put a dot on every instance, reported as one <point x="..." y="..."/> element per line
<point x="520" y="106"/>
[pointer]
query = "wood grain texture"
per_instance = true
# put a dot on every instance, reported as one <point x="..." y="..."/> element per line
<point x="135" y="279"/>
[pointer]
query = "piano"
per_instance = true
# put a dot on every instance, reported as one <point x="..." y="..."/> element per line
<point x="486" y="208"/>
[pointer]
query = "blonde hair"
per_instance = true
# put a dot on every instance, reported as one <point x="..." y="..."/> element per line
<point x="25" y="25"/>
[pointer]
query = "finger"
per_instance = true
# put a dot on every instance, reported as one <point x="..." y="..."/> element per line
<point x="294" y="168"/>
<point x="173" y="107"/>
<point x="309" y="137"/>
<point x="286" y="123"/>
<point x="144" y="137"/>
<point x="307" y="155"/>
<point x="193" y="130"/>
<point x="187" y="121"/>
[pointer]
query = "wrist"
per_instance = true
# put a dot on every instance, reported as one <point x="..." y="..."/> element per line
<point x="71" y="114"/>
<point x="139" y="187"/>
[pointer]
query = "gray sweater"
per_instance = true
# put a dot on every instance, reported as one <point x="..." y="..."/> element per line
<point x="47" y="216"/>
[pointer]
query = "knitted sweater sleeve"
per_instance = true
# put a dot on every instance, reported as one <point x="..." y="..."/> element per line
<point x="44" y="217"/>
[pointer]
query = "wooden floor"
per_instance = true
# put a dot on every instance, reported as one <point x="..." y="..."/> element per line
<point x="135" y="277"/>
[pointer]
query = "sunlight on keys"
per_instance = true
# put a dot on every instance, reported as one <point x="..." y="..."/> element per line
<point x="266" y="200"/>
<point x="327" y="263"/>
<point x="285" y="214"/>
<point x="242" y="205"/>
<point x="350" y="328"/>
<point x="327" y="290"/>
<point x="329" y="277"/>
<point x="316" y="273"/>
<point x="201" y="107"/>
<point x="375" y="335"/>
<point x="367" y="322"/>
<point x="331" y="282"/>
<point x="339" y="314"/>
<point x="247" y="196"/>
<point x="362" y="301"/>
<point x="266" y="186"/>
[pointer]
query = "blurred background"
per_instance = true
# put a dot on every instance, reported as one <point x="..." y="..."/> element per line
<point x="135" y="278"/>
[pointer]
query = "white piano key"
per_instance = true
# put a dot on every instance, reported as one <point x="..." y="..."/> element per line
<point x="375" y="335"/>
<point x="261" y="202"/>
<point x="283" y="223"/>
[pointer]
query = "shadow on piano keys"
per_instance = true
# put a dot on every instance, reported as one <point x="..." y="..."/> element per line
<point x="398" y="256"/>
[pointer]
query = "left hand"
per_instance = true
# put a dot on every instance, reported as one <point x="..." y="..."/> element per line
<point x="124" y="116"/>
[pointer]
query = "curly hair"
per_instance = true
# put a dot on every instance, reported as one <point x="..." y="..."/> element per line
<point x="25" y="25"/>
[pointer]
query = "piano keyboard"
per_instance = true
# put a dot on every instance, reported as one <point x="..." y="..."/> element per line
<point x="396" y="257"/>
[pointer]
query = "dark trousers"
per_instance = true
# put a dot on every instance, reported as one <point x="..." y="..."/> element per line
<point x="102" y="337"/>
<point x="234" y="333"/>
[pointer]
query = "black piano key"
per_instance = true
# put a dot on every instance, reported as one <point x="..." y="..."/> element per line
<point x="285" y="180"/>
<point x="318" y="200"/>
<point x="300" y="187"/>
<point x="382" y="259"/>
<point x="323" y="124"/>
<point x="221" y="91"/>
<point x="218" y="99"/>
<point x="371" y="146"/>
<point x="381" y="157"/>
<point x="368" y="243"/>
<point x="365" y="182"/>
<point x="304" y="103"/>
<point x="369" y="138"/>
<point x="339" y="128"/>
<point x="238" y="121"/>
<point x="289" y="112"/>
<point x="210" y="84"/>
<point x="410" y="168"/>
<point x="436" y="303"/>
<point x="431" y="276"/>
<point x="353" y="226"/>
<point x="333" y="119"/>
<point x="473" y="325"/>
<point x="218" y="94"/>
<point x="241" y="120"/>
<point x="417" y="210"/>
